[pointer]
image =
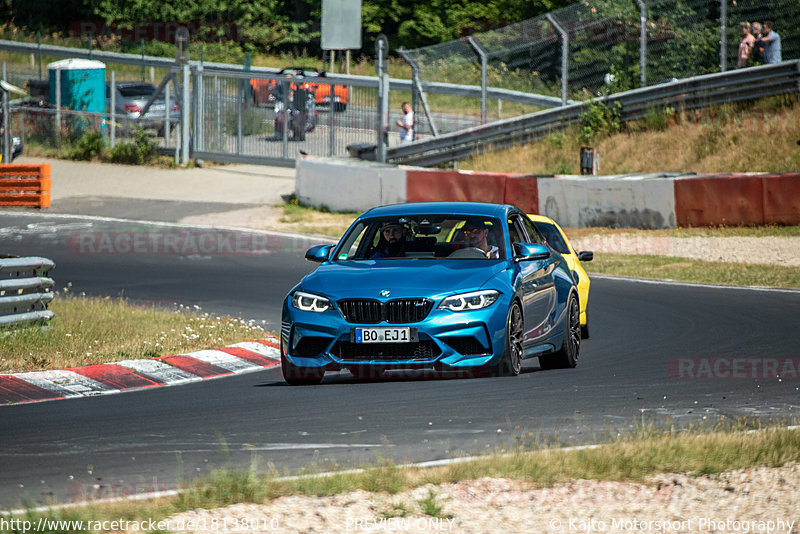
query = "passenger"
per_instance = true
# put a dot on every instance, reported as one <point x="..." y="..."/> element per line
<point x="476" y="235"/>
<point x="392" y="242"/>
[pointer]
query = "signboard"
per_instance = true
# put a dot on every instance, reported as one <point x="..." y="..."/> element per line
<point x="341" y="24"/>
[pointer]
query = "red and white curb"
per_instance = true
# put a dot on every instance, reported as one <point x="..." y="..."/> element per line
<point x="129" y="375"/>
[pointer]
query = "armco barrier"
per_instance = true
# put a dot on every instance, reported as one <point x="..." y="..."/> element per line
<point x="738" y="199"/>
<point x="25" y="185"/>
<point x="25" y="290"/>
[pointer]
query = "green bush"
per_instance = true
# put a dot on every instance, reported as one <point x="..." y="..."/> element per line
<point x="89" y="146"/>
<point x="599" y="120"/>
<point x="141" y="150"/>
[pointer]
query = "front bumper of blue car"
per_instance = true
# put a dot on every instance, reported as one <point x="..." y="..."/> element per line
<point x="443" y="339"/>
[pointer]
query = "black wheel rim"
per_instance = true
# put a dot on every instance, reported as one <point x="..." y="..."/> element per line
<point x="515" y="340"/>
<point x="574" y="328"/>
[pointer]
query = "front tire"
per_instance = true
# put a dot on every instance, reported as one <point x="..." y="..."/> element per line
<point x="511" y="363"/>
<point x="567" y="357"/>
<point x="300" y="376"/>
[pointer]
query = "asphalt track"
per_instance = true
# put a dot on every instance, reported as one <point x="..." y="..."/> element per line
<point x="140" y="441"/>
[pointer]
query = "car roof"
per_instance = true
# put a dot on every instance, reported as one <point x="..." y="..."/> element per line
<point x="540" y="218"/>
<point x="483" y="209"/>
<point x="304" y="69"/>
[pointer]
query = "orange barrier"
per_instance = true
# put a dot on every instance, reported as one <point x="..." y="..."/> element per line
<point x="427" y="186"/>
<point x="738" y="199"/>
<point x="523" y="192"/>
<point x="25" y="185"/>
<point x="782" y="199"/>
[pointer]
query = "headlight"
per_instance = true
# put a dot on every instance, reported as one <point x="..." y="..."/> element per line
<point x="309" y="302"/>
<point x="470" y="301"/>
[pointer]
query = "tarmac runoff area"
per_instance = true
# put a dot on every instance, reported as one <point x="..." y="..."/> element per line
<point x="749" y="500"/>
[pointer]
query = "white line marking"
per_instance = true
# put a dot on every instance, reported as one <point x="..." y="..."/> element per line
<point x="98" y="218"/>
<point x="422" y="465"/>
<point x="668" y="282"/>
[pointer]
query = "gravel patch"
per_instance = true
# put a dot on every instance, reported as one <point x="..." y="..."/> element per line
<point x="748" y="500"/>
<point x="756" y="250"/>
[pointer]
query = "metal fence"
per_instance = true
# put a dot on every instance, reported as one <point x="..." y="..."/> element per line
<point x="25" y="290"/>
<point x="589" y="48"/>
<point x="690" y="93"/>
<point x="226" y="121"/>
<point x="600" y="46"/>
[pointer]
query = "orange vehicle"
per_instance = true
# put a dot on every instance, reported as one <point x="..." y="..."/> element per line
<point x="261" y="90"/>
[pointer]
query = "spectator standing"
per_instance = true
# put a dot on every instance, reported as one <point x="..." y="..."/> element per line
<point x="745" y="45"/>
<point x="406" y="124"/>
<point x="772" y="43"/>
<point x="757" y="54"/>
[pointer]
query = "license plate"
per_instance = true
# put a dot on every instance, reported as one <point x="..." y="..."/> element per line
<point x="384" y="335"/>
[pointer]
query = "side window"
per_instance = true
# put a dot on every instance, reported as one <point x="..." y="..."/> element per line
<point x="515" y="230"/>
<point x="533" y="234"/>
<point x="553" y="237"/>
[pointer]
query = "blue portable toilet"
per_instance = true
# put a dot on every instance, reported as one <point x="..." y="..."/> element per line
<point x="83" y="85"/>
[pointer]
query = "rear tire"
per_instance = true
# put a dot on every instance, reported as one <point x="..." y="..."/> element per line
<point x="511" y="363"/>
<point x="339" y="107"/>
<point x="300" y="376"/>
<point x="567" y="357"/>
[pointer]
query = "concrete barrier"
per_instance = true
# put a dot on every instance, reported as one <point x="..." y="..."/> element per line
<point x="657" y="200"/>
<point x="348" y="185"/>
<point x="630" y="201"/>
<point x="460" y="186"/>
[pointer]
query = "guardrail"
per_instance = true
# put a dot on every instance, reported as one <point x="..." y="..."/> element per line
<point x="25" y="185"/>
<point x="25" y="290"/>
<point x="691" y="93"/>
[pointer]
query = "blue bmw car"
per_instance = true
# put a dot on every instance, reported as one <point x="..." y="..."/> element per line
<point x="441" y="285"/>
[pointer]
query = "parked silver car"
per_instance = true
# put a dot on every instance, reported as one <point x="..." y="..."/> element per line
<point x="131" y="98"/>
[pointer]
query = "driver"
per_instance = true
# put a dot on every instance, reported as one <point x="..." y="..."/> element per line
<point x="476" y="235"/>
<point x="392" y="242"/>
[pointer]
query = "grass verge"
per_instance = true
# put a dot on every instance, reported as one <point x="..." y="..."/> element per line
<point x="688" y="270"/>
<point x="725" y="138"/>
<point x="318" y="221"/>
<point x="635" y="458"/>
<point x="91" y="330"/>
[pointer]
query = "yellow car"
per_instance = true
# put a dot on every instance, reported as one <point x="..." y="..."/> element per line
<point x="558" y="241"/>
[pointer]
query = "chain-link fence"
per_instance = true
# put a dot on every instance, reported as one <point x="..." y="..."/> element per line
<point x="600" y="46"/>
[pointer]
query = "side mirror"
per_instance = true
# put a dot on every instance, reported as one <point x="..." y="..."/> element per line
<point x="530" y="252"/>
<point x="319" y="253"/>
<point x="586" y="255"/>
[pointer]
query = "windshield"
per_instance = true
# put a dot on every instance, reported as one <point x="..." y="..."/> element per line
<point x="553" y="237"/>
<point x="426" y="237"/>
<point x="137" y="90"/>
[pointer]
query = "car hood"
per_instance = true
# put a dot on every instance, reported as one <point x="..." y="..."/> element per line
<point x="404" y="278"/>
